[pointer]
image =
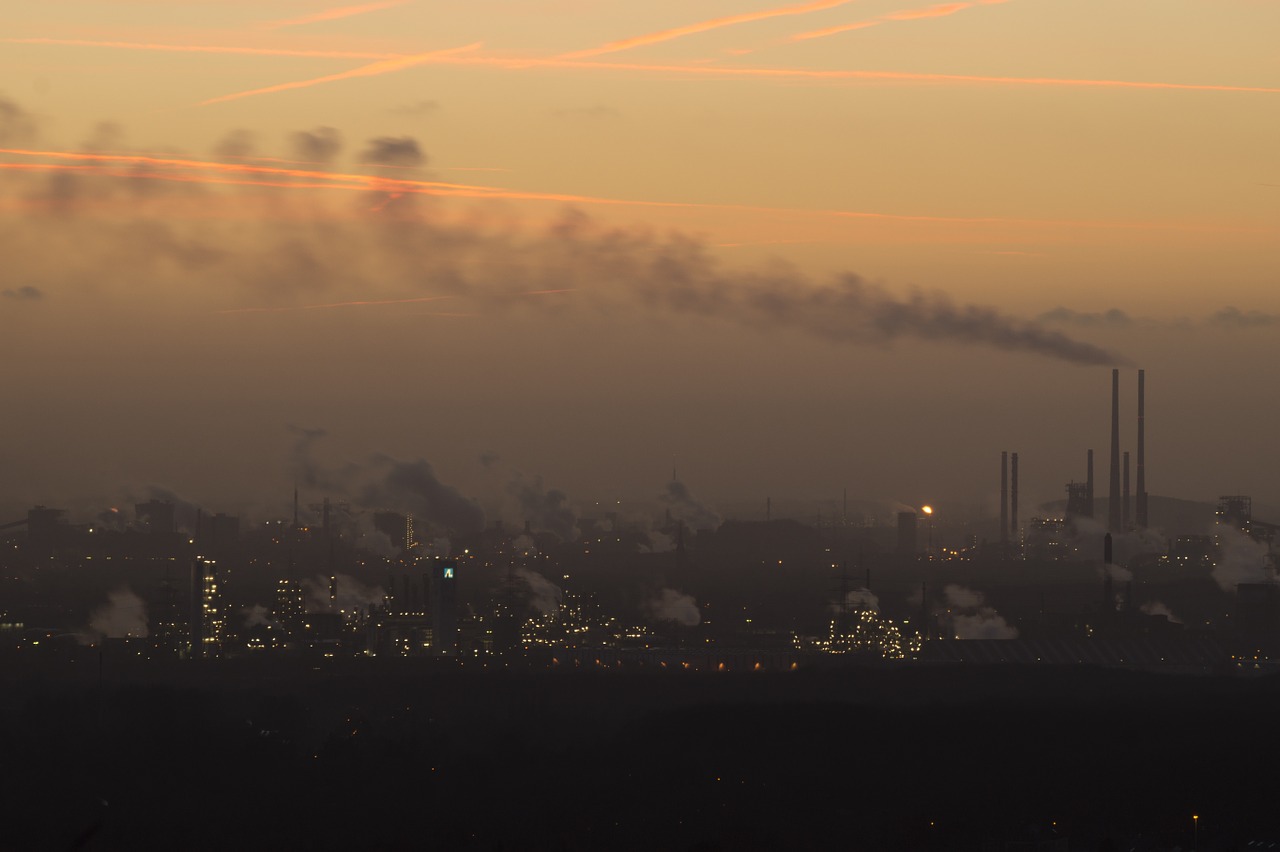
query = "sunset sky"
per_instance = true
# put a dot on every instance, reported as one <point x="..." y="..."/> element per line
<point x="795" y="247"/>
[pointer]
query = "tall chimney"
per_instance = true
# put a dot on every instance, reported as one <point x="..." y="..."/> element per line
<point x="1142" y="518"/>
<point x="1013" y="498"/>
<point x="1126" y="515"/>
<point x="1004" y="498"/>
<point x="1114" y="517"/>
<point x="1089" y="481"/>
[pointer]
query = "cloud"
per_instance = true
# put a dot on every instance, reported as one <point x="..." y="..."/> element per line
<point x="402" y="151"/>
<point x="25" y="293"/>
<point x="412" y="487"/>
<point x="17" y="126"/>
<point x="677" y="607"/>
<point x="1231" y="317"/>
<point x="1241" y="559"/>
<point x="488" y="459"/>
<point x="417" y="109"/>
<point x="237" y="144"/>
<point x="1113" y="318"/>
<point x="545" y="509"/>
<point x="321" y="145"/>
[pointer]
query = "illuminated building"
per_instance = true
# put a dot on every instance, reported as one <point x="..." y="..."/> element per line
<point x="444" y="606"/>
<point x="289" y="605"/>
<point x="209" y="623"/>
<point x="867" y="633"/>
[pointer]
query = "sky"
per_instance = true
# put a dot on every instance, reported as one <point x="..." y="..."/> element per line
<point x="791" y="247"/>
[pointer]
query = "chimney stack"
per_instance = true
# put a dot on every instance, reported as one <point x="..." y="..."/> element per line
<point x="1004" y="498"/>
<point x="1089" y="481"/>
<point x="1114" y="518"/>
<point x="1142" y="519"/>
<point x="1013" y="498"/>
<point x="1125" y="515"/>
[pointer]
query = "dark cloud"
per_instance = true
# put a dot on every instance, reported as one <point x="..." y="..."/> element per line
<point x="1235" y="318"/>
<point x="26" y="293"/>
<point x="688" y="508"/>
<point x="106" y="136"/>
<point x="418" y="109"/>
<point x="393" y="151"/>
<point x="237" y="144"/>
<point x="17" y="126"/>
<point x="488" y="459"/>
<point x="413" y="488"/>
<point x="1113" y="318"/>
<point x="545" y="509"/>
<point x="316" y="146"/>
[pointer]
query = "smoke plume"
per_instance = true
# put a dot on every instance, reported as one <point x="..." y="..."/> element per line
<point x="316" y="146"/>
<point x="971" y="618"/>
<point x="1241" y="560"/>
<point x="25" y="293"/>
<point x="256" y="616"/>
<point x="686" y="507"/>
<point x="400" y="151"/>
<point x="545" y="509"/>
<point x="544" y="595"/>
<point x="857" y="600"/>
<point x="123" y="616"/>
<point x="1157" y="608"/>
<point x="670" y="605"/>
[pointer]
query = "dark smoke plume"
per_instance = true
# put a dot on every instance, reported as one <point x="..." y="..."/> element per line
<point x="317" y="146"/>
<point x="412" y="486"/>
<point x="545" y="509"/>
<point x="393" y="151"/>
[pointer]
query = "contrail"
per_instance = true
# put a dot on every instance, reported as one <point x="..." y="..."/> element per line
<point x="332" y="14"/>
<point x="940" y="10"/>
<point x="385" y="66"/>
<point x="705" y="26"/>
<point x="204" y="48"/>
<point x="266" y="176"/>
<point x="518" y="64"/>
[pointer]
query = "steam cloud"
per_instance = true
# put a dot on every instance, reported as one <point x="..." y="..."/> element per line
<point x="971" y="618"/>
<point x="123" y="616"/>
<point x="353" y="595"/>
<point x="688" y="508"/>
<point x="678" y="607"/>
<point x="1157" y="608"/>
<point x="544" y="595"/>
<point x="256" y="616"/>
<point x="858" y="600"/>
<point x="1241" y="560"/>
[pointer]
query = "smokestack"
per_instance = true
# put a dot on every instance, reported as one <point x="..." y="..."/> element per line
<point x="1013" y="498"/>
<point x="295" y="505"/>
<point x="1124" y="515"/>
<point x="1113" y="500"/>
<point x="1106" y="549"/>
<point x="1089" y="505"/>
<point x="1004" y="498"/>
<point x="1142" y="518"/>
<point x="768" y="509"/>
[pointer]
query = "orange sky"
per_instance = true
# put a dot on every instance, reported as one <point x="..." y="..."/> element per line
<point x="1017" y="155"/>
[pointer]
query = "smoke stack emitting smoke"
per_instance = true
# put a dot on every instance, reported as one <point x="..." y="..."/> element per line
<point x="1114" y="518"/>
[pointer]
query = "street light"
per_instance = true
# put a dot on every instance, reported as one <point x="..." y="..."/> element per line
<point x="928" y="510"/>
